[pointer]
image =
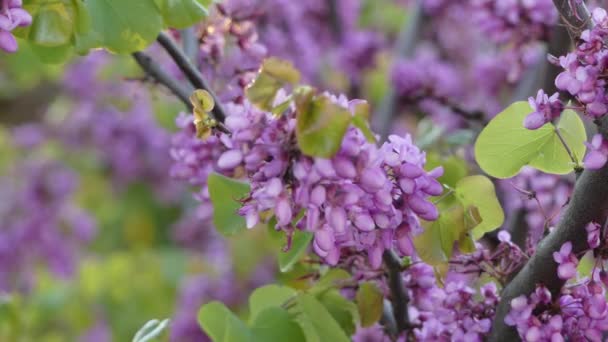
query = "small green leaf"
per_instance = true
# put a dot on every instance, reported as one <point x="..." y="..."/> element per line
<point x="268" y="296"/>
<point x="225" y="194"/>
<point x="274" y="75"/>
<point x="316" y="322"/>
<point x="454" y="168"/>
<point x="181" y="13"/>
<point x="320" y="125"/>
<point x="505" y="145"/>
<point x="299" y="244"/>
<point x="122" y="26"/>
<point x="370" y="303"/>
<point x="342" y="310"/>
<point x="478" y="192"/>
<point x="275" y="324"/>
<point x="222" y="325"/>
<point x="436" y="243"/>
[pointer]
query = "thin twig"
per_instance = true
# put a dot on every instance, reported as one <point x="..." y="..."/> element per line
<point x="154" y="70"/>
<point x="192" y="74"/>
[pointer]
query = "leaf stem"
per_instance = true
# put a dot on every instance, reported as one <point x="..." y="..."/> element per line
<point x="563" y="141"/>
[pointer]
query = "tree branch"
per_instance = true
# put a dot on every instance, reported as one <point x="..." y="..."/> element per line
<point x="190" y="43"/>
<point x="406" y="42"/>
<point x="400" y="298"/>
<point x="192" y="74"/>
<point x="154" y="70"/>
<point x="587" y="204"/>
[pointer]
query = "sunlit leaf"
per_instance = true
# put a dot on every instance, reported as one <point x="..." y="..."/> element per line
<point x="477" y="195"/>
<point x="505" y="145"/>
<point x="122" y="26"/>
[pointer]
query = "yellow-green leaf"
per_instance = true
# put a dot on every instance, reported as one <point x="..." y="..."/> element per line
<point x="274" y="74"/>
<point x="477" y="195"/>
<point x="225" y="194"/>
<point x="505" y="145"/>
<point x="370" y="303"/>
<point x="320" y="125"/>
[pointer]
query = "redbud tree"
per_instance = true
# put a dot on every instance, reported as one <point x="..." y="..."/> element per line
<point x="411" y="191"/>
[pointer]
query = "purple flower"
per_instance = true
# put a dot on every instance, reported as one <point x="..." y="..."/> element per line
<point x="545" y="109"/>
<point x="566" y="260"/>
<point x="597" y="155"/>
<point x="593" y="235"/>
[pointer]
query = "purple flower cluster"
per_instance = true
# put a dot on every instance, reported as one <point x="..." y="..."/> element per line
<point x="584" y="69"/>
<point x="230" y="52"/>
<point x="12" y="15"/>
<point x="40" y="223"/>
<point x="454" y="312"/>
<point x="366" y="198"/>
<point x="579" y="313"/>
<point x="597" y="153"/>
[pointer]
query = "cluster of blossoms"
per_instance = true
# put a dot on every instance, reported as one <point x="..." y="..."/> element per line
<point x="584" y="79"/>
<point x="454" y="312"/>
<point x="12" y="15"/>
<point x="366" y="198"/>
<point x="579" y="311"/>
<point x="40" y="223"/>
<point x="229" y="51"/>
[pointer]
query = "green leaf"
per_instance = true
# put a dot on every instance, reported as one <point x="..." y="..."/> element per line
<point x="436" y="243"/>
<point x="181" y="13"/>
<point x="454" y="168"/>
<point x="268" y="296"/>
<point x="274" y="74"/>
<point x="299" y="244"/>
<point x="225" y="194"/>
<point x="52" y="25"/>
<point x="370" y="303"/>
<point x="122" y="26"/>
<point x="342" y="310"/>
<point x="316" y="322"/>
<point x="478" y="192"/>
<point x="274" y="324"/>
<point x="221" y="324"/>
<point x="505" y="145"/>
<point x="52" y="54"/>
<point x="320" y="125"/>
